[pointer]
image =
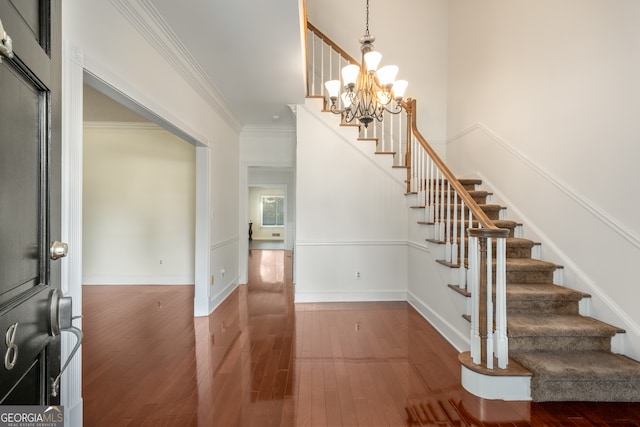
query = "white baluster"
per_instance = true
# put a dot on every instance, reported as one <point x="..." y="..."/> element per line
<point x="423" y="185"/>
<point x="313" y="67"/>
<point x="436" y="206"/>
<point x="388" y="146"/>
<point x="423" y="190"/>
<point x="462" y="271"/>
<point x="418" y="156"/>
<point x="343" y="62"/>
<point x="413" y="160"/>
<point x="502" y="343"/>
<point x="402" y="145"/>
<point x="431" y="191"/>
<point x="448" y="224"/>
<point x="489" y="304"/>
<point x="380" y="132"/>
<point x="442" y="219"/>
<point x="454" y="239"/>
<point x="322" y="80"/>
<point x="475" y="300"/>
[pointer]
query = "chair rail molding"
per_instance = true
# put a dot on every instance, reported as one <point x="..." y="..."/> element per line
<point x="583" y="201"/>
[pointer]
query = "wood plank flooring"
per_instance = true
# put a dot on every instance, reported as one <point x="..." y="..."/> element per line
<point x="261" y="360"/>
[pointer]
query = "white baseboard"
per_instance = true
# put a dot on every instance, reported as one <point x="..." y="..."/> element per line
<point x="360" y="296"/>
<point x="451" y="334"/>
<point x="138" y="280"/>
<point x="220" y="296"/>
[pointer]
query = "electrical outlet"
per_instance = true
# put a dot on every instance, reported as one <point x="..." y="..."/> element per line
<point x="358" y="275"/>
<point x="212" y="279"/>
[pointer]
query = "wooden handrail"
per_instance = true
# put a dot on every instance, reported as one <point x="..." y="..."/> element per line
<point x="331" y="43"/>
<point x="483" y="219"/>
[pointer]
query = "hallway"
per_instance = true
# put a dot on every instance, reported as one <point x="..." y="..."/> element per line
<point x="260" y="360"/>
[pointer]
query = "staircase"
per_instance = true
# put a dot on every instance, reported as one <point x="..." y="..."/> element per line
<point x="568" y="355"/>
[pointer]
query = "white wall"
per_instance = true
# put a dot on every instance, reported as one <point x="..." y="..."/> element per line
<point x="116" y="53"/>
<point x="351" y="215"/>
<point x="411" y="34"/>
<point x="139" y="205"/>
<point x="255" y="212"/>
<point x="543" y="99"/>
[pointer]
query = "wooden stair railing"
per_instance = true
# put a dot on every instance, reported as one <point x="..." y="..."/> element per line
<point x="447" y="205"/>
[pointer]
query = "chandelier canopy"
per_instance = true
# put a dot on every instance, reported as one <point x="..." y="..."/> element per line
<point x="370" y="91"/>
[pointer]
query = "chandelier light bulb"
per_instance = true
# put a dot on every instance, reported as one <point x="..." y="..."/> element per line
<point x="399" y="88"/>
<point x="386" y="75"/>
<point x="350" y="75"/>
<point x="372" y="59"/>
<point x="333" y="87"/>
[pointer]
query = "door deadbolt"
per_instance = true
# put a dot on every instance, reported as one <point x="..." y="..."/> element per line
<point x="60" y="320"/>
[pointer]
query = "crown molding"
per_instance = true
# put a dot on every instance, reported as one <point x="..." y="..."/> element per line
<point x="128" y="126"/>
<point x="145" y="18"/>
<point x="269" y="130"/>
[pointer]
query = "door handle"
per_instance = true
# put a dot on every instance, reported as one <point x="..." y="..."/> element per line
<point x="58" y="250"/>
<point x="6" y="45"/>
<point x="60" y="320"/>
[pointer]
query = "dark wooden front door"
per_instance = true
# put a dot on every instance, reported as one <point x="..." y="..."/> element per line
<point x="29" y="200"/>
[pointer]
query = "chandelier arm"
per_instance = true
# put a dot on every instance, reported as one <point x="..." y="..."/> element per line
<point x="396" y="110"/>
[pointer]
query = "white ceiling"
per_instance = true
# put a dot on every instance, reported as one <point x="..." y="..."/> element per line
<point x="252" y="51"/>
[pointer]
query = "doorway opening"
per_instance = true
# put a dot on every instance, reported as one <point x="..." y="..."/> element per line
<point x="267" y="208"/>
<point x="138" y="198"/>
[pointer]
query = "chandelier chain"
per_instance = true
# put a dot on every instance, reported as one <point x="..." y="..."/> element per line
<point x="367" y="21"/>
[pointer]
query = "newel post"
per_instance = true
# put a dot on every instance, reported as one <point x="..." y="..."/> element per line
<point x="482" y="300"/>
<point x="488" y="315"/>
<point x="410" y="108"/>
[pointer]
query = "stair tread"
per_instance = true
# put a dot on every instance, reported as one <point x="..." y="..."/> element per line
<point x="512" y="242"/>
<point x="487" y="206"/>
<point x="533" y="291"/>
<point x="500" y="223"/>
<point x="526" y="291"/>
<point x="525" y="324"/>
<point x="528" y="264"/>
<point x="470" y="181"/>
<point x="579" y="365"/>
<point x="513" y="264"/>
<point x="504" y="223"/>
<point x="473" y="193"/>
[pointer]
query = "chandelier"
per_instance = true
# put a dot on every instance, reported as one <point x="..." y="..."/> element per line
<point x="368" y="93"/>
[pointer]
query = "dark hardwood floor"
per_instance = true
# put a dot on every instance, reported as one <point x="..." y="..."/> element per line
<point x="260" y="360"/>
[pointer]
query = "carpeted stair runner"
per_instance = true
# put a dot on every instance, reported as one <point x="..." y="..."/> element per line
<point x="569" y="354"/>
<point x="597" y="376"/>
